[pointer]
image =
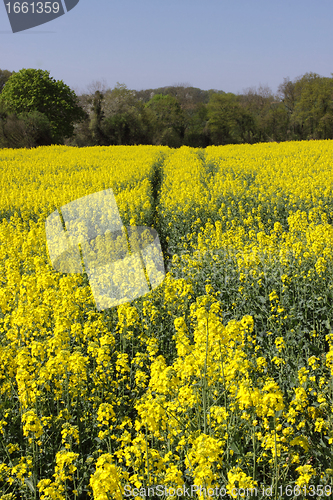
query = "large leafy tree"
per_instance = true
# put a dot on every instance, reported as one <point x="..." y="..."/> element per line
<point x="166" y="120"/>
<point x="228" y="121"/>
<point x="196" y="128"/>
<point x="313" y="111"/>
<point x="31" y="90"/>
<point x="96" y="118"/>
<point x="123" y="118"/>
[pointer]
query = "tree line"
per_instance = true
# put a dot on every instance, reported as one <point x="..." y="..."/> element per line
<point x="37" y="110"/>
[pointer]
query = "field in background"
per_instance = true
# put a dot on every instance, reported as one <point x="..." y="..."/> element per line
<point x="221" y="377"/>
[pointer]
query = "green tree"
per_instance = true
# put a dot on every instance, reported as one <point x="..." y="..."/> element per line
<point x="34" y="90"/>
<point x="96" y="118"/>
<point x="12" y="132"/>
<point x="257" y="105"/>
<point x="196" y="126"/>
<point x="37" y="129"/>
<point x="4" y="77"/>
<point x="82" y="136"/>
<point x="275" y="123"/>
<point x="287" y="94"/>
<point x="124" y="118"/>
<point x="26" y="130"/>
<point x="166" y="120"/>
<point x="228" y="121"/>
<point x="313" y="112"/>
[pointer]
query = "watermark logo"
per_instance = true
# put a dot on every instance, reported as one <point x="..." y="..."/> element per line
<point x="122" y="263"/>
<point x="25" y="15"/>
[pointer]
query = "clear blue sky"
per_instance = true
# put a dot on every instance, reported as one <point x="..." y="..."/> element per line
<point x="228" y="45"/>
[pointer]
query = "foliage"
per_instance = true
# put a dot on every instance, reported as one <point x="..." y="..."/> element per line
<point x="26" y="130"/>
<point x="178" y="115"/>
<point x="4" y="77"/>
<point x="228" y="121"/>
<point x="166" y="119"/>
<point x="314" y="109"/>
<point x="125" y="121"/>
<point x="31" y="90"/>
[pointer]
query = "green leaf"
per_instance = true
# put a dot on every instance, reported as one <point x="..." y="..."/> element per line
<point x="28" y="482"/>
<point x="234" y="448"/>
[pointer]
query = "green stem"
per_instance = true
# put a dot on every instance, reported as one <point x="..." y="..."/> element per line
<point x="254" y="453"/>
<point x="147" y="457"/>
<point x="225" y="402"/>
<point x="275" y="460"/>
<point x="204" y="382"/>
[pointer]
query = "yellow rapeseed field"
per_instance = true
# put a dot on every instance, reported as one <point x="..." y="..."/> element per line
<point x="219" y="382"/>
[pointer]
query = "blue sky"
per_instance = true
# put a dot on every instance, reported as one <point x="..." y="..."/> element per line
<point x="229" y="45"/>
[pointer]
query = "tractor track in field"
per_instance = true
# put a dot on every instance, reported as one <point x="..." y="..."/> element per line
<point x="156" y="186"/>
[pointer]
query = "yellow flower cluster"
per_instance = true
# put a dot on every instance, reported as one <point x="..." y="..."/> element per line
<point x="221" y="376"/>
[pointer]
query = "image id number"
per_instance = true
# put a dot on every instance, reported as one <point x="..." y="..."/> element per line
<point x="33" y="7"/>
<point x="306" y="490"/>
